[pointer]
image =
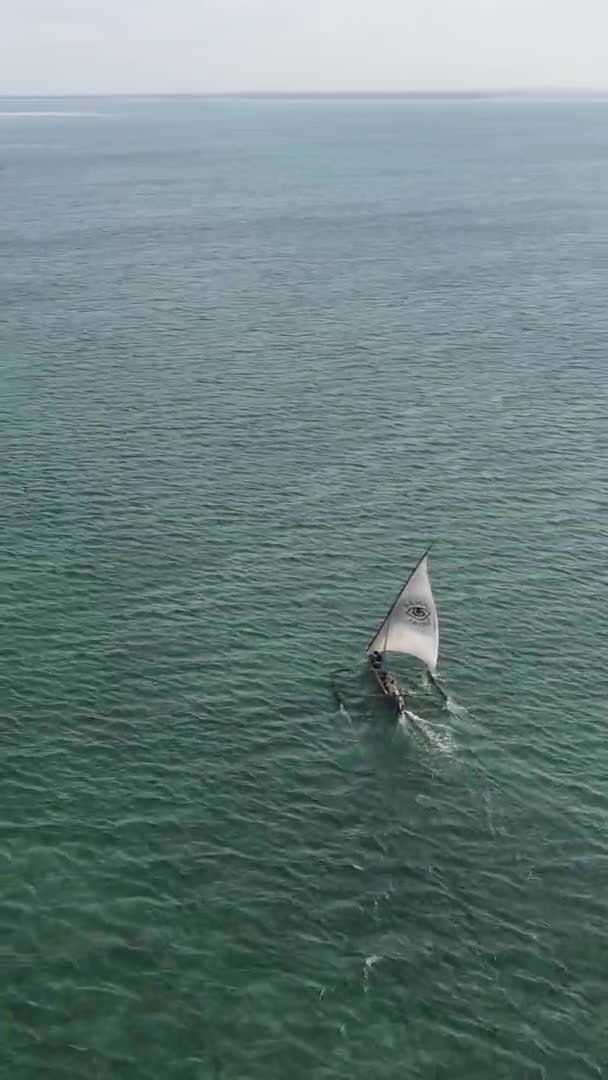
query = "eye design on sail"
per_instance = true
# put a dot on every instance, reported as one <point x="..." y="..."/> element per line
<point x="418" y="613"/>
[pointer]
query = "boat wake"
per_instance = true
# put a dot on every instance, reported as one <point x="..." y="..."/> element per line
<point x="459" y="712"/>
<point x="367" y="967"/>
<point x="343" y="712"/>
<point x="434" y="683"/>
<point x="440" y="739"/>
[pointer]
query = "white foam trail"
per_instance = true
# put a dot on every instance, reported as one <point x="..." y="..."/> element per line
<point x="449" y="703"/>
<point x="425" y="682"/>
<point x="442" y="741"/>
<point x="345" y="712"/>
<point x="459" y="711"/>
<point x="368" y="965"/>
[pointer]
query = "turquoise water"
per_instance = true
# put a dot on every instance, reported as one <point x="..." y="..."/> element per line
<point x="254" y="356"/>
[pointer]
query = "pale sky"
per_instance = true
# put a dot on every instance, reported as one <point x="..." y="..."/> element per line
<point x="189" y="46"/>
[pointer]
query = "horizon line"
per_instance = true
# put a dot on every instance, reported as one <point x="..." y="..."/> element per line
<point x="470" y="94"/>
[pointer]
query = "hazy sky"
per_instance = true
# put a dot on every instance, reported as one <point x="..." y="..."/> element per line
<point x="97" y="46"/>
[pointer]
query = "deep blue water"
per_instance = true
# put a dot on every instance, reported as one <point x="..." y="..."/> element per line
<point x="253" y="357"/>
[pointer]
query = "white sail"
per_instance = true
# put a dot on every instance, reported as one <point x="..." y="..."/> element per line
<point x="411" y="625"/>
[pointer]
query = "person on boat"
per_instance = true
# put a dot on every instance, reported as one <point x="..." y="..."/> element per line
<point x="392" y="689"/>
<point x="390" y="684"/>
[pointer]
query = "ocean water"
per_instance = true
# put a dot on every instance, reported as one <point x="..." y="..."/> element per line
<point x="254" y="356"/>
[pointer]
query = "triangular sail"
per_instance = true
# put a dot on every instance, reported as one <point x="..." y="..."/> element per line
<point x="411" y="625"/>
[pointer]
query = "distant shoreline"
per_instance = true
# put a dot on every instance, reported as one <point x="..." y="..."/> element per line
<point x="331" y="95"/>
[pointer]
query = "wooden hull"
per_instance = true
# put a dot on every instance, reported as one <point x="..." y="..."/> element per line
<point x="389" y="687"/>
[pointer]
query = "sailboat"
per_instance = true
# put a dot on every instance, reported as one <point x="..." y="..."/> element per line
<point x="410" y="626"/>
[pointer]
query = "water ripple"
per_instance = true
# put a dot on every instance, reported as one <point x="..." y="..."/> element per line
<point x="234" y="411"/>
